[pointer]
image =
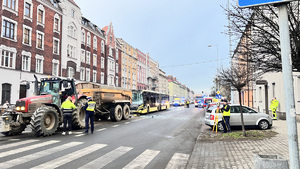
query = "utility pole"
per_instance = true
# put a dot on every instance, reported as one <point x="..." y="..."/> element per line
<point x="288" y="85"/>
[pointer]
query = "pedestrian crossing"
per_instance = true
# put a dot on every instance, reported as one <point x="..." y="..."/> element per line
<point x="71" y="153"/>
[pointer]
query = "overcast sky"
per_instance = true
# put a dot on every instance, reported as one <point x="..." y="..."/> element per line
<point x="176" y="33"/>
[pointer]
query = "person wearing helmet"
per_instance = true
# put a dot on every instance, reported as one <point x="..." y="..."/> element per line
<point x="89" y="114"/>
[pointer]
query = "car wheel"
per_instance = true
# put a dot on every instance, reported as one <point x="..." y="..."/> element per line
<point x="263" y="125"/>
<point x="220" y="126"/>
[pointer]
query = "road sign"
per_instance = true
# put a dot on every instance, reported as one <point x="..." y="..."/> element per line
<point x="218" y="92"/>
<point x="248" y="3"/>
<point x="218" y="96"/>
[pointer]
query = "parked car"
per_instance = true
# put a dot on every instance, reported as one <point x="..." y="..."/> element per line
<point x="251" y="117"/>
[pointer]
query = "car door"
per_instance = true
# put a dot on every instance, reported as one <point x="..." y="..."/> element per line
<point x="235" y="116"/>
<point x="250" y="116"/>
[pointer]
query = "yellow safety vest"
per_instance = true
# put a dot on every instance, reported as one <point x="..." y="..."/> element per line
<point x="226" y="113"/>
<point x="91" y="106"/>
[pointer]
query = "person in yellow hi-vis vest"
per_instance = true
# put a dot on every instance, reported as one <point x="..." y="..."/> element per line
<point x="89" y="114"/>
<point x="226" y="117"/>
<point x="273" y="107"/>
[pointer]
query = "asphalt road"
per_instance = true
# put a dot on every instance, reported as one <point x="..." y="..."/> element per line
<point x="155" y="141"/>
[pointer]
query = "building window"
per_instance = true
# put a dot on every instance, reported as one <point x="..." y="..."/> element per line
<point x="88" y="75"/>
<point x="11" y="4"/>
<point x="102" y="46"/>
<point x="72" y="13"/>
<point x="88" y="39"/>
<point x="102" y="62"/>
<point x="102" y="78"/>
<point x="27" y="35"/>
<point x="94" y="76"/>
<point x="117" y="54"/>
<point x="82" y="37"/>
<point x="117" y="81"/>
<point x="88" y="57"/>
<point x="71" y="51"/>
<point x="55" y="67"/>
<point x="8" y="29"/>
<point x="94" y="60"/>
<point x="27" y="11"/>
<point x="71" y="31"/>
<point x="56" y="25"/>
<point x="117" y="68"/>
<point x="95" y="43"/>
<point x="71" y="72"/>
<point x="110" y="51"/>
<point x="40" y="16"/>
<point x="82" y="72"/>
<point x="8" y="58"/>
<point x="39" y="64"/>
<point x="26" y="63"/>
<point x="82" y="56"/>
<point x="6" y="92"/>
<point x="55" y="46"/>
<point x="39" y="40"/>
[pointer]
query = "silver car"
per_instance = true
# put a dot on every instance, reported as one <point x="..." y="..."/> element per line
<point x="251" y="117"/>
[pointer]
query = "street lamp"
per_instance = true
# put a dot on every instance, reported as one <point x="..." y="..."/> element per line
<point x="217" y="62"/>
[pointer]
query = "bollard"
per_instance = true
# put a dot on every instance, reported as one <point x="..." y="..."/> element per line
<point x="269" y="162"/>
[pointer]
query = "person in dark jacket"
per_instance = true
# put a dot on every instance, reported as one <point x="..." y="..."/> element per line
<point x="67" y="108"/>
<point x="89" y="114"/>
<point x="226" y="117"/>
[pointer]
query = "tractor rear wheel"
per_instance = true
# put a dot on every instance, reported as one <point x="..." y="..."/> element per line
<point x="79" y="115"/>
<point x="44" y="121"/>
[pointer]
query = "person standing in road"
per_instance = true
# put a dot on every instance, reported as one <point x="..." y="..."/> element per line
<point x="226" y="117"/>
<point x="273" y="107"/>
<point x="67" y="108"/>
<point x="89" y="114"/>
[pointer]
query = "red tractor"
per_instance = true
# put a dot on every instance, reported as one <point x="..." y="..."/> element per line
<point x="42" y="112"/>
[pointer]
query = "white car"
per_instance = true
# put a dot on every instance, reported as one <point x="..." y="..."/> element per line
<point x="251" y="117"/>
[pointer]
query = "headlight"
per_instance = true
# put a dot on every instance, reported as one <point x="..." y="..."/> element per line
<point x="18" y="108"/>
<point x="23" y="108"/>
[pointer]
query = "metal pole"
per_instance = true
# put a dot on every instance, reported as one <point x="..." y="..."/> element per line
<point x="288" y="86"/>
<point x="218" y="67"/>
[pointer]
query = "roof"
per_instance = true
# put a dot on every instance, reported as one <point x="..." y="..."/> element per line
<point x="73" y="2"/>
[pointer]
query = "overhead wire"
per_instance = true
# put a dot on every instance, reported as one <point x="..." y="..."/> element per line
<point x="196" y="63"/>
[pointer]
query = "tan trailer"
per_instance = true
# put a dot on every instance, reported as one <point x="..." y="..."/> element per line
<point x="113" y="102"/>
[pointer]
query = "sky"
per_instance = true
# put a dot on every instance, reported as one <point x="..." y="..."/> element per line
<point x="175" y="33"/>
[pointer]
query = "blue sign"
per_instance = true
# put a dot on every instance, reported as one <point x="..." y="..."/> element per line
<point x="218" y="96"/>
<point x="248" y="3"/>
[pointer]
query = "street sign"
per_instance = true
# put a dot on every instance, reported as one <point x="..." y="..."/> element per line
<point x="218" y="96"/>
<point x="218" y="92"/>
<point x="249" y="3"/>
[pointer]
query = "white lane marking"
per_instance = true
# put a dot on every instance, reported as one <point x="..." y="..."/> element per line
<point x="142" y="160"/>
<point x="127" y="123"/>
<point x="43" y="153"/>
<point x="11" y="152"/>
<point x="115" y="126"/>
<point x="107" y="158"/>
<point x="102" y="129"/>
<point x="70" y="157"/>
<point x="16" y="144"/>
<point x="78" y="135"/>
<point x="178" y="161"/>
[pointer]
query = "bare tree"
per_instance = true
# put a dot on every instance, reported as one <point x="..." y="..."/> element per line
<point x="238" y="76"/>
<point x="264" y="47"/>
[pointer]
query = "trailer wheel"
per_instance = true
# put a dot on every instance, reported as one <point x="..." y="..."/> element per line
<point x="44" y="121"/>
<point x="78" y="116"/>
<point x="126" y="112"/>
<point x="116" y="113"/>
<point x="15" y="130"/>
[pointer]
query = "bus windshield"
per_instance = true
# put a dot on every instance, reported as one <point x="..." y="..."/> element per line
<point x="136" y="96"/>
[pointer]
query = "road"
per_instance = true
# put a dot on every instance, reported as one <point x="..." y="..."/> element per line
<point x="155" y="141"/>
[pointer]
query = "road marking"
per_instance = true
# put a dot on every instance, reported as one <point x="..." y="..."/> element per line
<point x="115" y="126"/>
<point x="15" y="151"/>
<point x="43" y="153"/>
<point x="127" y="123"/>
<point x="70" y="157"/>
<point x="107" y="158"/>
<point x="178" y="161"/>
<point x="78" y="135"/>
<point x="142" y="160"/>
<point x="17" y="144"/>
<point x="102" y="129"/>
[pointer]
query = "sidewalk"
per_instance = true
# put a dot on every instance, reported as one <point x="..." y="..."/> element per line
<point x="238" y="154"/>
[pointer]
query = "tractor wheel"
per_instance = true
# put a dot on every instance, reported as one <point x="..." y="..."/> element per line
<point x="116" y="113"/>
<point x="15" y="130"/>
<point x="44" y="121"/>
<point x="79" y="115"/>
<point x="126" y="112"/>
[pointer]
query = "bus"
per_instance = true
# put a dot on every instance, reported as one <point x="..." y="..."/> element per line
<point x="145" y="101"/>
